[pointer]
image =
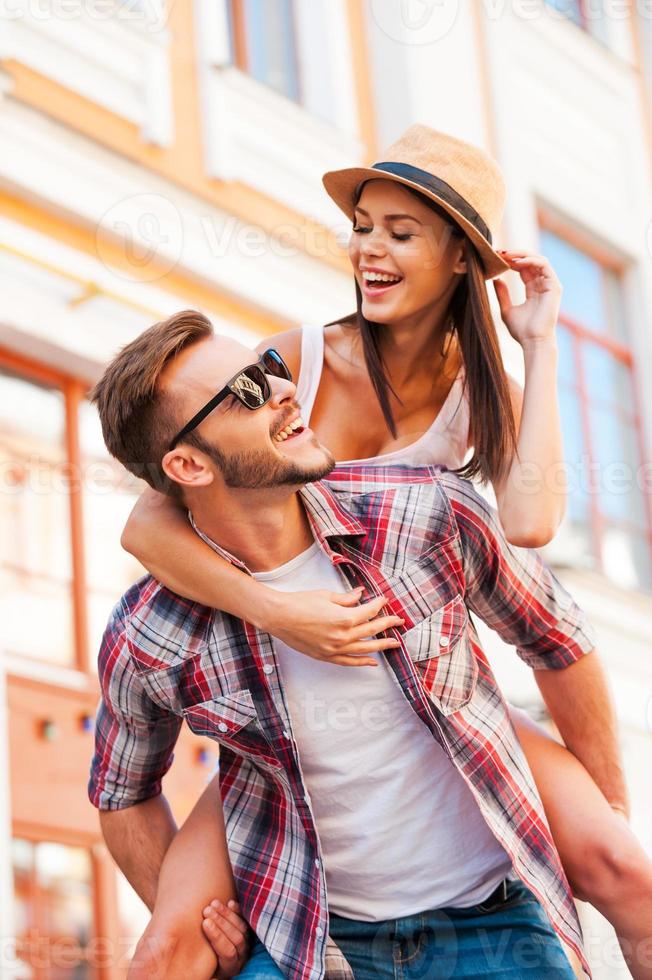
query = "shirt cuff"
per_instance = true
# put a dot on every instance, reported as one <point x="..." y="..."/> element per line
<point x="569" y="641"/>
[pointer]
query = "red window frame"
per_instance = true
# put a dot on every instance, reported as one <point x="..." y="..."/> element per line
<point x="74" y="392"/>
<point x="240" y="44"/>
<point x="103" y="895"/>
<point x="622" y="352"/>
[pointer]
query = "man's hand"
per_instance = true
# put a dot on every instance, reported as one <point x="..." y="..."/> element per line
<point x="329" y="626"/>
<point x="228" y="934"/>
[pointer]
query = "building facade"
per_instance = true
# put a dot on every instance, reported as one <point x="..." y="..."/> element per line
<point x="159" y="157"/>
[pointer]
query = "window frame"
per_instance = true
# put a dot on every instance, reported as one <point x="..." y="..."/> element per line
<point x="74" y="391"/>
<point x="241" y="59"/>
<point x="101" y="895"/>
<point x="623" y="352"/>
<point x="585" y="23"/>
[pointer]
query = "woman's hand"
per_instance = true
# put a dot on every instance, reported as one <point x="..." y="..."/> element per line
<point x="534" y="320"/>
<point x="228" y="934"/>
<point x="330" y="626"/>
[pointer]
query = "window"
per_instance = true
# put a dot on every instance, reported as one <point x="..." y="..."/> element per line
<point x="110" y="492"/>
<point x="609" y="524"/>
<point x="287" y="45"/>
<point x="53" y="906"/>
<point x="264" y="44"/>
<point x="63" y="504"/>
<point x="35" y="542"/>
<point x="644" y="32"/>
<point x="590" y="15"/>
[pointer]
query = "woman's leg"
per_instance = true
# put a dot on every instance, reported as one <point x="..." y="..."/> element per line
<point x="603" y="860"/>
<point x="196" y="870"/>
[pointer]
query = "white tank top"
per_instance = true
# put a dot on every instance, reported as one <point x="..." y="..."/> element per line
<point x="399" y="829"/>
<point x="446" y="441"/>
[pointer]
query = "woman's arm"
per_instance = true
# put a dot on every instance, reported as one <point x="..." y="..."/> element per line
<point x="531" y="496"/>
<point x="325" y="625"/>
<point x="180" y="941"/>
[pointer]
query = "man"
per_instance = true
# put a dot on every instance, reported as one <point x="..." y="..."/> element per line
<point x="417" y="809"/>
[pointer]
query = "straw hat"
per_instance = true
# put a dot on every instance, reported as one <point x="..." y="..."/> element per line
<point x="463" y="179"/>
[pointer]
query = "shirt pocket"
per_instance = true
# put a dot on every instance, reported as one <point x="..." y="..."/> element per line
<point x="233" y="722"/>
<point x="440" y="648"/>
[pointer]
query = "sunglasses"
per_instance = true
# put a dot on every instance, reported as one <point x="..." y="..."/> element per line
<point x="250" y="386"/>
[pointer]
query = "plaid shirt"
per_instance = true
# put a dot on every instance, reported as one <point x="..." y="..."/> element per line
<point x="425" y="539"/>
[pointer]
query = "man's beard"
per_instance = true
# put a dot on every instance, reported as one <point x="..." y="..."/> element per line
<point x="256" y="469"/>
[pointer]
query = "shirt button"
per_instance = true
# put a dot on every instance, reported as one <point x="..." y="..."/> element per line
<point x="268" y="669"/>
<point x="317" y="863"/>
<point x="286" y="734"/>
<point x="319" y="931"/>
<point x="306" y="798"/>
<point x="443" y="641"/>
<point x="222" y="727"/>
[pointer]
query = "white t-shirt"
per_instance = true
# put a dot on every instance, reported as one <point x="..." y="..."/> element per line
<point x="400" y="831"/>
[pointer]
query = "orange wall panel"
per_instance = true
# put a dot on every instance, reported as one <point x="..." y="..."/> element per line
<point x="48" y="778"/>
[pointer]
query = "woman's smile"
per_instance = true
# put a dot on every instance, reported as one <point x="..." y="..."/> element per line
<point x="375" y="283"/>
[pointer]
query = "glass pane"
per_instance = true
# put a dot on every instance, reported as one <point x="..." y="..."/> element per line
<point x="597" y="20"/>
<point x="616" y="459"/>
<point x="231" y="28"/>
<point x="22" y="853"/>
<point x="35" y="559"/>
<point x="56" y="899"/>
<point x="615" y="306"/>
<point x="567" y="371"/>
<point x="271" y="45"/>
<point x="109" y="495"/>
<point x="577" y="526"/>
<point x="607" y="379"/>
<point x="574" y="454"/>
<point x="314" y="47"/>
<point x="583" y="297"/>
<point x="569" y="8"/>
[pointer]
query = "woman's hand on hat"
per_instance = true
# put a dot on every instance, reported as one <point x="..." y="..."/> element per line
<point x="533" y="321"/>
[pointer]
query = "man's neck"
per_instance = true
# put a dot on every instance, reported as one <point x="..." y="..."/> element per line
<point x="263" y="529"/>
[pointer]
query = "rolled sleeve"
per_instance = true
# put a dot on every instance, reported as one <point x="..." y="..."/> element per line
<point x="134" y="738"/>
<point x="569" y="638"/>
<point x="513" y="591"/>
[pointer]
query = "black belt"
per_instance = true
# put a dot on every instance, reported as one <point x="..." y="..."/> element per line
<point x="497" y="897"/>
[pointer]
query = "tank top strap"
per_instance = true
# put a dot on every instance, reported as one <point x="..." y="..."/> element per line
<point x="312" y="362"/>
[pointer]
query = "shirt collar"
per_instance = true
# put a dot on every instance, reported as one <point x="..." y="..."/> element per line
<point x="327" y="518"/>
<point x="216" y="547"/>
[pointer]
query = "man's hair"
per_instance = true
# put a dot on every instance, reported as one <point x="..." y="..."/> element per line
<point x="139" y="420"/>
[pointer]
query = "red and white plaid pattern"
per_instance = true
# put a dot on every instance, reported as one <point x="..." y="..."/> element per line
<point x="425" y="539"/>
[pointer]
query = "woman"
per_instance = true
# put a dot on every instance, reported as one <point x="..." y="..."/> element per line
<point x="422" y="357"/>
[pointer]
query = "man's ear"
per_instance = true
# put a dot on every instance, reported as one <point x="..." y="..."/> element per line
<point x="188" y="467"/>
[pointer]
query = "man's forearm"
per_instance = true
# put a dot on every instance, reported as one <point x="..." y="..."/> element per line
<point x="138" y="838"/>
<point x="580" y="702"/>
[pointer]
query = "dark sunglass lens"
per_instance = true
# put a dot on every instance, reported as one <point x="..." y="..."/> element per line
<point x="251" y="387"/>
<point x="275" y="365"/>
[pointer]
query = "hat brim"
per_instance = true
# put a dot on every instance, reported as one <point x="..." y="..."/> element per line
<point x="341" y="186"/>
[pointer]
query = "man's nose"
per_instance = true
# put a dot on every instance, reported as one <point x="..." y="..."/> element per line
<point x="282" y="391"/>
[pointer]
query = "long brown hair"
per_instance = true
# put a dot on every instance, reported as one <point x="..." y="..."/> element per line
<point x="492" y="419"/>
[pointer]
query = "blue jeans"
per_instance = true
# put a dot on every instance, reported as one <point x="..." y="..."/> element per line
<point x="509" y="939"/>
